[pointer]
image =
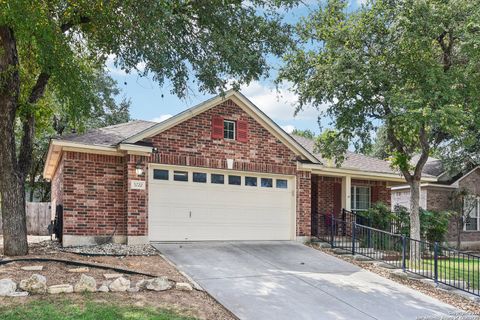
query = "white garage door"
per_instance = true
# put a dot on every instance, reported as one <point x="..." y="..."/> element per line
<point x="194" y="204"/>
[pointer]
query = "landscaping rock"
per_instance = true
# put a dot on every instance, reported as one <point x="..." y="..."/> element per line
<point x="19" y="294"/>
<point x="86" y="283"/>
<point x="361" y="258"/>
<point x="103" y="288"/>
<point x="79" y="270"/>
<point x="184" y="286"/>
<point x="141" y="284"/>
<point x="35" y="284"/>
<point x="385" y="265"/>
<point x="32" y="268"/>
<point x="133" y="289"/>
<point x="341" y="251"/>
<point x="109" y="276"/>
<point x="398" y="273"/>
<point x="119" y="285"/>
<point x="60" y="288"/>
<point x="7" y="287"/>
<point x="114" y="249"/>
<point x="159" y="284"/>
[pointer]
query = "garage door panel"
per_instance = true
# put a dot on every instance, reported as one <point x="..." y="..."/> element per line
<point x="180" y="211"/>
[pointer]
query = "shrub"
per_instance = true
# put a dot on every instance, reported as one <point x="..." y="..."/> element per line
<point x="433" y="224"/>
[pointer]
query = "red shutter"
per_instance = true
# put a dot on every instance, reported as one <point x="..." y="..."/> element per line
<point x="217" y="127"/>
<point x="242" y="131"/>
<point x="374" y="194"/>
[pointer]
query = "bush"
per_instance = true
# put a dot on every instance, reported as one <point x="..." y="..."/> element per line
<point x="380" y="217"/>
<point x="433" y="224"/>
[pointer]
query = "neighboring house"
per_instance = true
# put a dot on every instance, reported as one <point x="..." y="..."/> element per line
<point x="437" y="196"/>
<point x="221" y="170"/>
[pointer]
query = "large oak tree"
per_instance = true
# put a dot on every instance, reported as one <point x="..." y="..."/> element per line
<point x="412" y="66"/>
<point x="54" y="46"/>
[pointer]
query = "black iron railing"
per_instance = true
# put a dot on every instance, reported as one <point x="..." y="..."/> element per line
<point x="433" y="261"/>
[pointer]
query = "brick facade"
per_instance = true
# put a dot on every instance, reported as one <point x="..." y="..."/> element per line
<point x="136" y="200"/>
<point x="98" y="200"/>
<point x="379" y="190"/>
<point x="190" y="143"/>
<point x="93" y="195"/>
<point x="439" y="199"/>
<point x="96" y="189"/>
<point x="57" y="188"/>
<point x="327" y="196"/>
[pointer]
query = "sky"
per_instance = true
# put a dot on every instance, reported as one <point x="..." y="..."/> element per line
<point x="149" y="101"/>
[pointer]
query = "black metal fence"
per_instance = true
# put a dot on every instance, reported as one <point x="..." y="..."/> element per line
<point x="433" y="261"/>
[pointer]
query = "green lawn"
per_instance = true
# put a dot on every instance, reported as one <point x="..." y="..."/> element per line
<point x="64" y="309"/>
<point x="453" y="269"/>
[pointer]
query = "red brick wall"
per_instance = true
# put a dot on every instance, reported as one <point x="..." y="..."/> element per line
<point x="190" y="143"/>
<point x="136" y="200"/>
<point x="326" y="193"/>
<point x="94" y="194"/>
<point x="304" y="210"/>
<point x="383" y="194"/>
<point x="57" y="187"/>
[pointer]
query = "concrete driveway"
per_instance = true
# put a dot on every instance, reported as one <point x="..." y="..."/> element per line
<point x="287" y="280"/>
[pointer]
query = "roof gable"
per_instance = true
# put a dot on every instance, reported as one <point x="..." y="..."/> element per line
<point x="244" y="104"/>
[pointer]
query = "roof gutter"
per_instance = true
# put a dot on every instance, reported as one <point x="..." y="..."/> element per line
<point x="341" y="172"/>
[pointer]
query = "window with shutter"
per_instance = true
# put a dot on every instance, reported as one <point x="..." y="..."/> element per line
<point x="217" y="127"/>
<point x="242" y="131"/>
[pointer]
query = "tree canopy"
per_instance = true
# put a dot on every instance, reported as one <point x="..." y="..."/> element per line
<point x="52" y="49"/>
<point x="410" y="66"/>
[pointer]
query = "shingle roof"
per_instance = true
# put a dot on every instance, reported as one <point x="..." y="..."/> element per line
<point x="353" y="160"/>
<point x="433" y="166"/>
<point x="111" y="135"/>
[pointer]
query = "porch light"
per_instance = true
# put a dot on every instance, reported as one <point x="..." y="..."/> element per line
<point x="139" y="169"/>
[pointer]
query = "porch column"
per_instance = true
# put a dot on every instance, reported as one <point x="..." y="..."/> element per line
<point x="346" y="192"/>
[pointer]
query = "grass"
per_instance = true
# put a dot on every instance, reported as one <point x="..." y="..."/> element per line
<point x="453" y="269"/>
<point x="67" y="310"/>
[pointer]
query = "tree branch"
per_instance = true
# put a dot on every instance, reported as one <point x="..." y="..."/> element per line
<point x="39" y="88"/>
<point x="424" y="154"/>
<point x="68" y="25"/>
<point x="26" y="147"/>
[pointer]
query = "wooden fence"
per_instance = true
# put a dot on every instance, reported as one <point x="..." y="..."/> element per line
<point x="39" y="216"/>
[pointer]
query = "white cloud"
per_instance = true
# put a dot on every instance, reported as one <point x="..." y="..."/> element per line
<point x="288" y="128"/>
<point x="277" y="104"/>
<point x="361" y="2"/>
<point x="162" y="118"/>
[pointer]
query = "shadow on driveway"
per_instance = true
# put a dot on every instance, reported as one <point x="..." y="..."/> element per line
<point x="287" y="280"/>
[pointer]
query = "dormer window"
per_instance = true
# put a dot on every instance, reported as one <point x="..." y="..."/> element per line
<point x="229" y="129"/>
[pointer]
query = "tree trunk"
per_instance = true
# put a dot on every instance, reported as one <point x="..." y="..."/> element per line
<point x="12" y="188"/>
<point x="13" y="216"/>
<point x="415" y="254"/>
<point x="459" y="231"/>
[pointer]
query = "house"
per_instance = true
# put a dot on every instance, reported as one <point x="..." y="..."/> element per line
<point x="438" y="196"/>
<point x="221" y="170"/>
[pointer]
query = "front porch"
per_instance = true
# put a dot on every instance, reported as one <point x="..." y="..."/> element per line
<point x="332" y="193"/>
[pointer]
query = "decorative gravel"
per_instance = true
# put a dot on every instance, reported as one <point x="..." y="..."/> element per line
<point x="108" y="249"/>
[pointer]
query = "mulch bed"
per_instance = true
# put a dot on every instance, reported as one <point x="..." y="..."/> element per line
<point x="193" y="303"/>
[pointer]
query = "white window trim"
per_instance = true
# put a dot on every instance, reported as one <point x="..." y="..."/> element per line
<point x="477" y="199"/>
<point x="234" y="129"/>
<point x="353" y="197"/>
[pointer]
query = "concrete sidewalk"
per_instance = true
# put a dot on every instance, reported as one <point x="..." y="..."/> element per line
<point x="287" y="280"/>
